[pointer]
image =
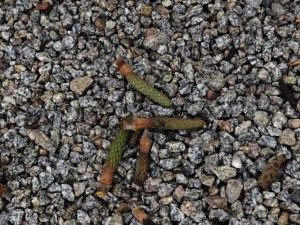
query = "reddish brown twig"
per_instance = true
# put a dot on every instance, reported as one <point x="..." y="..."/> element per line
<point x="294" y="63"/>
<point x="270" y="172"/>
<point x="170" y="123"/>
<point x="142" y="163"/>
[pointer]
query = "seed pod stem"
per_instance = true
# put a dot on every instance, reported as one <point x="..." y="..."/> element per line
<point x="134" y="123"/>
<point x="294" y="63"/>
<point x="134" y="137"/>
<point x="3" y="190"/>
<point x="140" y="214"/>
<point x="114" y="156"/>
<point x="142" y="163"/>
<point x="141" y="85"/>
<point x="270" y="172"/>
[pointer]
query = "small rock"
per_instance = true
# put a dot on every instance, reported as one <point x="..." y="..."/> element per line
<point x="100" y="23"/>
<point x="152" y="185"/>
<point x="41" y="139"/>
<point x="110" y="24"/>
<point x="272" y="202"/>
<point x="67" y="192"/>
<point x="287" y="137"/>
<point x="211" y="95"/>
<point x="279" y="120"/>
<point x="155" y="40"/>
<point x="226" y="126"/>
<point x="207" y="180"/>
<point x="291" y="207"/>
<point x="167" y="3"/>
<point x="175" y="213"/>
<point x="179" y="193"/>
<point x="83" y="217"/>
<point x="294" y="123"/>
<point x="16" y="216"/>
<point x="224" y="172"/>
<point x="260" y="211"/>
<point x="46" y="179"/>
<point x="146" y="10"/>
<point x="216" y="202"/>
<point x="80" y="84"/>
<point x="219" y="214"/>
<point x="169" y="163"/>
<point x="261" y="118"/>
<point x="290" y="80"/>
<point x="295" y="218"/>
<point x="117" y="219"/>
<point x="267" y="141"/>
<point x="277" y="9"/>
<point x="58" y="97"/>
<point x="295" y="196"/>
<point x="263" y="74"/>
<point x="236" y="162"/>
<point x="233" y="190"/>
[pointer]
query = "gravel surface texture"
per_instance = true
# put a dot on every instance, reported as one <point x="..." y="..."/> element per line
<point x="62" y="100"/>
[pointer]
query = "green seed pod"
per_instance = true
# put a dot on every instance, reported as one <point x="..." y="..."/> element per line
<point x="117" y="148"/>
<point x="148" y="90"/>
<point x="114" y="156"/>
<point x="141" y="85"/>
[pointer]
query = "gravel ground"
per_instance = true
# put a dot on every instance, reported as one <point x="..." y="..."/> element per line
<point x="62" y="100"/>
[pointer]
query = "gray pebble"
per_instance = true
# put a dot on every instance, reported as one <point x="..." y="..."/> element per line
<point x="67" y="192"/>
<point x="83" y="217"/>
<point x="233" y="190"/>
<point x="46" y="179"/>
<point x="224" y="172"/>
<point x="175" y="213"/>
<point x="287" y="137"/>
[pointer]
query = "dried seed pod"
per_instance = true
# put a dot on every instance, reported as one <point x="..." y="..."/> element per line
<point x="134" y="137"/>
<point x="294" y="63"/>
<point x="287" y="93"/>
<point x="114" y="156"/>
<point x="140" y="214"/>
<point x="3" y="190"/>
<point x="134" y="123"/>
<point x="270" y="172"/>
<point x="142" y="163"/>
<point x="141" y="85"/>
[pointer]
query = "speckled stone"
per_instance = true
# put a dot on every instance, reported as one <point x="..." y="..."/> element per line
<point x="80" y="84"/>
<point x="233" y="190"/>
<point x="287" y="137"/>
<point x="224" y="172"/>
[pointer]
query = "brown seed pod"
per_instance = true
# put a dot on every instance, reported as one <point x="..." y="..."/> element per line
<point x="294" y="63"/>
<point x="140" y="214"/>
<point x="3" y="190"/>
<point x="270" y="172"/>
<point x="168" y="123"/>
<point x="142" y="163"/>
<point x="134" y="137"/>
